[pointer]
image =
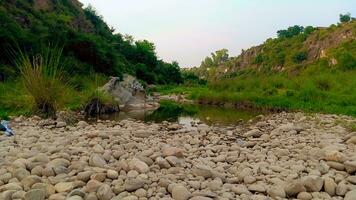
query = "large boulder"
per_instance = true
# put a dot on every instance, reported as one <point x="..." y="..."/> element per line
<point x="129" y="93"/>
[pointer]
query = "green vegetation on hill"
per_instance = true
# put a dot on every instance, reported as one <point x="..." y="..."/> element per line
<point x="91" y="52"/>
<point x="312" y="69"/>
<point x="90" y="45"/>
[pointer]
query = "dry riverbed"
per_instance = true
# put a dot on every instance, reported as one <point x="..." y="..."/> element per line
<point x="280" y="156"/>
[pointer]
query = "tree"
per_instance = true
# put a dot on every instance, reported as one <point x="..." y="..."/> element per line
<point x="345" y="17"/>
<point x="220" y="56"/>
<point x="308" y="30"/>
<point x="290" y="32"/>
<point x="208" y="62"/>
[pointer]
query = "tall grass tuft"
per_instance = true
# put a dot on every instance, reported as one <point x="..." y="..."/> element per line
<point x="44" y="79"/>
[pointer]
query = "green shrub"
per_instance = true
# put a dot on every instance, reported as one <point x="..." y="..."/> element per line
<point x="300" y="56"/>
<point x="345" y="17"/>
<point x="290" y="93"/>
<point x="43" y="79"/>
<point x="346" y="61"/>
<point x="323" y="84"/>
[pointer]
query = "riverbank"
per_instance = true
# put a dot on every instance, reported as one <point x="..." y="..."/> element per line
<point x="285" y="155"/>
<point x="317" y="88"/>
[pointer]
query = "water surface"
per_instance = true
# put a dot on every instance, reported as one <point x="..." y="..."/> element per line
<point x="187" y="113"/>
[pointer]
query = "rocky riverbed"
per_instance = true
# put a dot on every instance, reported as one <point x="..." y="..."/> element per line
<point x="280" y="156"/>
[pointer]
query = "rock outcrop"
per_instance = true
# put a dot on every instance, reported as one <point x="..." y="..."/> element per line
<point x="129" y="93"/>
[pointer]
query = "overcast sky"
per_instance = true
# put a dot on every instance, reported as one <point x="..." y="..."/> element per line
<point x="189" y="30"/>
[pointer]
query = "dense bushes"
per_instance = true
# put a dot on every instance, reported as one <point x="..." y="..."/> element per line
<point x="90" y="45"/>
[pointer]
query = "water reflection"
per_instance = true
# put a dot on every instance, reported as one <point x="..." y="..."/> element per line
<point x="186" y="114"/>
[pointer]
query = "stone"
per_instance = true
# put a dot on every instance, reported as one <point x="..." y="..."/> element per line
<point x="203" y="171"/>
<point x="253" y="133"/>
<point x="313" y="183"/>
<point x="92" y="186"/>
<point x="200" y="198"/>
<point x="294" y="187"/>
<point x="352" y="140"/>
<point x="60" y="162"/>
<point x="276" y="192"/>
<point x="141" y="192"/>
<point x="112" y="174"/>
<point x="335" y="156"/>
<point x="179" y="192"/>
<point x="329" y="186"/>
<point x="82" y="124"/>
<point x="351" y="179"/>
<point x="76" y="192"/>
<point x="304" y="196"/>
<point x="104" y="192"/>
<point x="74" y="198"/>
<point x="256" y="188"/>
<point x="96" y="160"/>
<point x="61" y="124"/>
<point x="98" y="149"/>
<point x="240" y="189"/>
<point x="341" y="189"/>
<point x="35" y="194"/>
<point x="194" y="184"/>
<point x="142" y="133"/>
<point x="127" y="91"/>
<point x="249" y="179"/>
<point x="49" y="189"/>
<point x="18" y="195"/>
<point x="7" y="195"/>
<point x="173" y="161"/>
<point x="85" y="176"/>
<point x="131" y="197"/>
<point x="10" y="186"/>
<point x="215" y="184"/>
<point x="336" y="165"/>
<point x="21" y="173"/>
<point x="350" y="166"/>
<point x="139" y="166"/>
<point x="64" y="187"/>
<point x="351" y="195"/>
<point x="57" y="197"/>
<point x="162" y="163"/>
<point x="244" y="172"/>
<point x="134" y="184"/>
<point x="173" y="151"/>
<point x="91" y="196"/>
<point x="29" y="181"/>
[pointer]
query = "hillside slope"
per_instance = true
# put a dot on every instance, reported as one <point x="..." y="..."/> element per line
<point x="335" y="45"/>
<point x="90" y="45"/>
<point x="310" y="69"/>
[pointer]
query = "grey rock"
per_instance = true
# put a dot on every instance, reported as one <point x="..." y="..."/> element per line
<point x="96" y="160"/>
<point x="35" y="194"/>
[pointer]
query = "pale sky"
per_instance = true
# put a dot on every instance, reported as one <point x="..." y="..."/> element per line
<point x="189" y="30"/>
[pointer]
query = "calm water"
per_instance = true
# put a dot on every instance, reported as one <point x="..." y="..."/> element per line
<point x="185" y="114"/>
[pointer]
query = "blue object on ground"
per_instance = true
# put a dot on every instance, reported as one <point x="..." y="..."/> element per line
<point x="4" y="126"/>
